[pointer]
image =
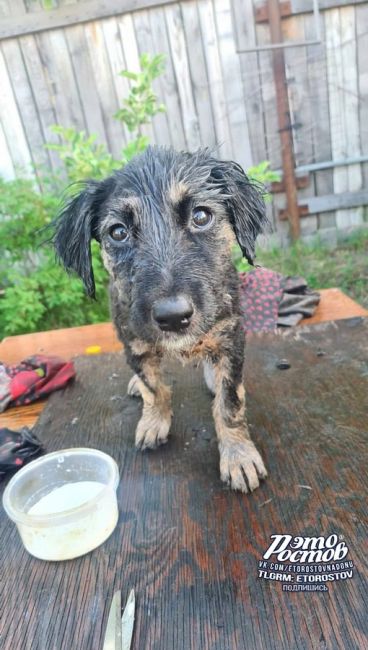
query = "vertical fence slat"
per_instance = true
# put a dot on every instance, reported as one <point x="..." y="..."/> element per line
<point x="343" y="91"/>
<point x="180" y="62"/>
<point x="25" y="103"/>
<point x="60" y="77"/>
<point x="117" y="63"/>
<point x="235" y="107"/>
<point x="131" y="53"/>
<point x="83" y="72"/>
<point x="41" y="92"/>
<point x="104" y="85"/>
<point x="215" y="80"/>
<point x="245" y="36"/>
<point x="12" y="124"/>
<point x="170" y="96"/>
<point x="146" y="45"/>
<point x="362" y="53"/>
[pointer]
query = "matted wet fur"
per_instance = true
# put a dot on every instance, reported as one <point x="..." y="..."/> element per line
<point x="166" y="224"/>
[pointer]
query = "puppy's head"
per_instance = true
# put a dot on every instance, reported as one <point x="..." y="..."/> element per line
<point x="166" y="224"/>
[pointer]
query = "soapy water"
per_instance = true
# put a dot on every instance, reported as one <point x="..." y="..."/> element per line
<point x="70" y="495"/>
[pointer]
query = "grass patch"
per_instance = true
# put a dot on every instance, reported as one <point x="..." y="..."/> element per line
<point x="345" y="267"/>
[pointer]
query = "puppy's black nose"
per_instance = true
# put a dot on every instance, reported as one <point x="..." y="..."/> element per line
<point x="172" y="314"/>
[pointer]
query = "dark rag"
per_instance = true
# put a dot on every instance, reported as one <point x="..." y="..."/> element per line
<point x="16" y="449"/>
<point x="269" y="300"/>
<point x="33" y="379"/>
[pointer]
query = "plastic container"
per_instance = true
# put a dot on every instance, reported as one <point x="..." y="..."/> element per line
<point x="71" y="531"/>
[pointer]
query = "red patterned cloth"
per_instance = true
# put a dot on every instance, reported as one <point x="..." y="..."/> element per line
<point x="32" y="379"/>
<point x="269" y="300"/>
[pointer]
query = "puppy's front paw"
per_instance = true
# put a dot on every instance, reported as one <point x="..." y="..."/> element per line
<point x="152" y="429"/>
<point x="133" y="387"/>
<point x="241" y="465"/>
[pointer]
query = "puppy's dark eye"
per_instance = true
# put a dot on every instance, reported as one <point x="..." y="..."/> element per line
<point x="118" y="233"/>
<point x="202" y="218"/>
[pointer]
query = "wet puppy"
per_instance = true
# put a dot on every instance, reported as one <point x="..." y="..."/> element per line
<point x="166" y="224"/>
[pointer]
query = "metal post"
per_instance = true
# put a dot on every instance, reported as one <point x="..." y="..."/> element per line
<point x="284" y="121"/>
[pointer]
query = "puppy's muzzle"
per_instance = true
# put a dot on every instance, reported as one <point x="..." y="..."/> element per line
<point x="172" y="314"/>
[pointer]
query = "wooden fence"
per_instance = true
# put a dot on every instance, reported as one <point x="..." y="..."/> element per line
<point x="61" y="66"/>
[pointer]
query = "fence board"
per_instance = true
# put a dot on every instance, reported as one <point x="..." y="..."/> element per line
<point x="170" y="95"/>
<point x="7" y="170"/>
<point x="40" y="91"/>
<point x="25" y="103"/>
<point x="362" y="45"/>
<point x="83" y="72"/>
<point x="198" y="72"/>
<point x="146" y="44"/>
<point x="12" y="125"/>
<point x="215" y="79"/>
<point x="130" y="48"/>
<point x="104" y="85"/>
<point x="268" y="91"/>
<point x="233" y="95"/>
<point x="60" y="78"/>
<point x="344" y="125"/>
<point x="118" y="63"/>
<point x="245" y="36"/>
<point x="181" y="66"/>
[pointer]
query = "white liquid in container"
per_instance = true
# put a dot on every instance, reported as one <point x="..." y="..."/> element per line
<point x="77" y="534"/>
<point x="70" y="495"/>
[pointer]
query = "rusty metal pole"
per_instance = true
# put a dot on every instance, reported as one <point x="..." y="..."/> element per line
<point x="283" y="112"/>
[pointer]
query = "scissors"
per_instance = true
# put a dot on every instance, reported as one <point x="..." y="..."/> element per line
<point x="119" y="629"/>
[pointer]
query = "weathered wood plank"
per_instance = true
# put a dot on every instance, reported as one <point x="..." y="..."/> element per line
<point x="232" y="85"/>
<point x="320" y="132"/>
<point x="63" y="86"/>
<point x="220" y="106"/>
<point x="146" y="45"/>
<point x="84" y="74"/>
<point x="343" y="104"/>
<point x="176" y="36"/>
<point x="268" y="91"/>
<point x="131" y="54"/>
<point x="26" y="107"/>
<point x="198" y="72"/>
<point x="104" y="86"/>
<point x="306" y="6"/>
<point x="244" y="32"/>
<point x="41" y="90"/>
<point x="7" y="170"/>
<point x="169" y="86"/>
<point x="12" y="125"/>
<point x="73" y="14"/>
<point x="361" y="13"/>
<point x="117" y="60"/>
<point x="343" y="201"/>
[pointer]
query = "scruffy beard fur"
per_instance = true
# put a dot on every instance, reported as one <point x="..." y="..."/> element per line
<point x="164" y="254"/>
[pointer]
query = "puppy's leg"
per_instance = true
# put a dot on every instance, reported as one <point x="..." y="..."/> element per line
<point x="241" y="465"/>
<point x="153" y="427"/>
<point x="209" y="376"/>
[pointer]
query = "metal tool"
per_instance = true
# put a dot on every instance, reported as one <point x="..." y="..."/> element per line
<point x="119" y="629"/>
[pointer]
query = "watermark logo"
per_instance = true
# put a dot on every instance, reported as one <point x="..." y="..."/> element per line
<point x="306" y="563"/>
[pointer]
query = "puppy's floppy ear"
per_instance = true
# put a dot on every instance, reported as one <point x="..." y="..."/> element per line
<point x="245" y="202"/>
<point x="74" y="229"/>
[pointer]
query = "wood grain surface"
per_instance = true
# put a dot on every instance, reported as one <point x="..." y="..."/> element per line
<point x="187" y="544"/>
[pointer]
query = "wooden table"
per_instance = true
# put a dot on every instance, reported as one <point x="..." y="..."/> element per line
<point x="189" y="546"/>
<point x="68" y="343"/>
